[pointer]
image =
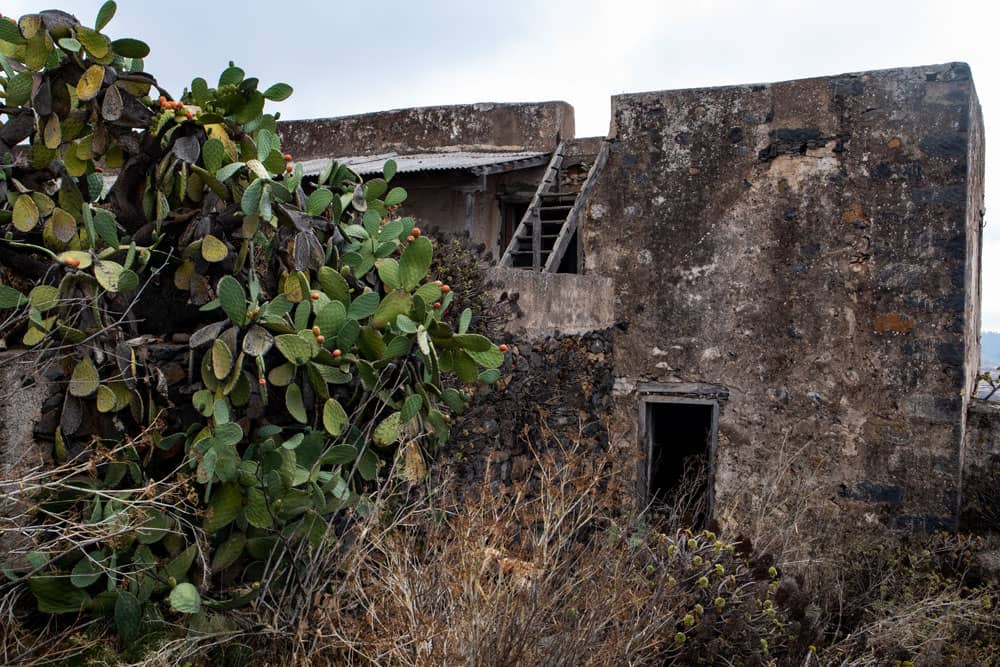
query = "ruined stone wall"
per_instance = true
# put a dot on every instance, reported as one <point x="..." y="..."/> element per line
<point x="445" y="203"/>
<point x="554" y="399"/>
<point x="812" y="246"/>
<point x="530" y="127"/>
<point x="974" y="212"/>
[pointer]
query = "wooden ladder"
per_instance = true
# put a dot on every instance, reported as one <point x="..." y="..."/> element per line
<point x="549" y="225"/>
<point x="541" y="227"/>
<point x="571" y="223"/>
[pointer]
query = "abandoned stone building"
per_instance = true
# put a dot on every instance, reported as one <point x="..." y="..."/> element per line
<point x="781" y="282"/>
<point x="788" y="273"/>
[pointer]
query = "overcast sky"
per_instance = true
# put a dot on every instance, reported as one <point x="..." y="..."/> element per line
<point x="345" y="58"/>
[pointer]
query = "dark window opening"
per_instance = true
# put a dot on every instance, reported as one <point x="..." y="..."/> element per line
<point x="680" y="439"/>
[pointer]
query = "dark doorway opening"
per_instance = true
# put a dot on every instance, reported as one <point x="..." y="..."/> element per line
<point x="570" y="261"/>
<point x="680" y="442"/>
<point x="511" y="212"/>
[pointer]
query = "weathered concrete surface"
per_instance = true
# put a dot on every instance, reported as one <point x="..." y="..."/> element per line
<point x="23" y="390"/>
<point x="982" y="442"/>
<point x="813" y="246"/>
<point x="530" y="126"/>
<point x="981" y="469"/>
<point x="550" y="303"/>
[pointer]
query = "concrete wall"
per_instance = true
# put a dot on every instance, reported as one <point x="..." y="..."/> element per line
<point x="551" y="303"/>
<point x="981" y="469"/>
<point x="812" y="246"/>
<point x="530" y="126"/>
<point x="23" y="391"/>
<point x="982" y="436"/>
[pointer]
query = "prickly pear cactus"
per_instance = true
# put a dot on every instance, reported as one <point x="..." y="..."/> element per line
<point x="316" y="344"/>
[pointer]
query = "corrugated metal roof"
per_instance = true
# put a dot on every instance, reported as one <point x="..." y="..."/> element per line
<point x="476" y="162"/>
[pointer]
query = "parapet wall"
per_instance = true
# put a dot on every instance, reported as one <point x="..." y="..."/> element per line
<point x="529" y="127"/>
<point x="551" y="303"/>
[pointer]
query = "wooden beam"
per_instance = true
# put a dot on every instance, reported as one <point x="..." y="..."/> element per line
<point x="513" y="165"/>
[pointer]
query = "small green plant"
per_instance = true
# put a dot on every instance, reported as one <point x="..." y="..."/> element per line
<point x="319" y="347"/>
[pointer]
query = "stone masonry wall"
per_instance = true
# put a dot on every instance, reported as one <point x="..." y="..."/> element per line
<point x="554" y="398"/>
<point x="812" y="246"/>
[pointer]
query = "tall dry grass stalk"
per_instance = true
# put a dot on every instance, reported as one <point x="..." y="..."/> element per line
<point x="547" y="579"/>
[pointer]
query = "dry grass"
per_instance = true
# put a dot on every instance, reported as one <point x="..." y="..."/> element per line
<point x="553" y="579"/>
<point x="560" y="577"/>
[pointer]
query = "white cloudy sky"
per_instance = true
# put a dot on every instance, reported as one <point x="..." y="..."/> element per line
<point x="345" y="58"/>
